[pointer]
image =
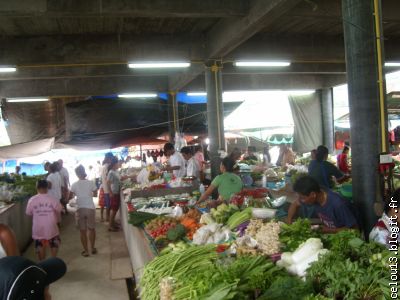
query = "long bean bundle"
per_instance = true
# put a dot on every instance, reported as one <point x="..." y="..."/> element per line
<point x="176" y="265"/>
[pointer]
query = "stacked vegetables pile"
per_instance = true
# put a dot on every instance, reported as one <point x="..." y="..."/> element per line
<point x="191" y="222"/>
<point x="293" y="235"/>
<point x="178" y="265"/>
<point x="261" y="236"/>
<point x="223" y="212"/>
<point x="353" y="269"/>
<point x="160" y="226"/>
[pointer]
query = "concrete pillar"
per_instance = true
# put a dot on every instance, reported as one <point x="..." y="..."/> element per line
<point x="173" y="116"/>
<point x="365" y="121"/>
<point x="215" y="116"/>
<point x="326" y="96"/>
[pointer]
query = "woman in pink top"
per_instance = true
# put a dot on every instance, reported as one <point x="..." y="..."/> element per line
<point x="45" y="211"/>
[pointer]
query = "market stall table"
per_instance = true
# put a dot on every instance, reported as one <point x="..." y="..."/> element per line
<point x="138" y="245"/>
<point x="14" y="216"/>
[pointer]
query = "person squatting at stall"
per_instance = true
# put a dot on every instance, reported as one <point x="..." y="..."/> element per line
<point x="45" y="211"/>
<point x="85" y="190"/>
<point x="333" y="211"/>
<point x="381" y="233"/>
<point x="227" y="183"/>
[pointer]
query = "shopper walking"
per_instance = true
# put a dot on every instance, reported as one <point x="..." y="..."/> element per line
<point x="55" y="183"/>
<point x="84" y="190"/>
<point x="114" y="187"/>
<point x="104" y="193"/>
<point x="45" y="211"/>
<point x="342" y="161"/>
<point x="65" y="184"/>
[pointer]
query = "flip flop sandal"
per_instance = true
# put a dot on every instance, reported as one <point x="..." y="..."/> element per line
<point x="84" y="254"/>
<point x="113" y="229"/>
<point x="94" y="251"/>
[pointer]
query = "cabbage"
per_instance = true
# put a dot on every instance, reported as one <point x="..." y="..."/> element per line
<point x="307" y="249"/>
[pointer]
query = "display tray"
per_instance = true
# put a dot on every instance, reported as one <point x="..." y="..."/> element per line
<point x="162" y="192"/>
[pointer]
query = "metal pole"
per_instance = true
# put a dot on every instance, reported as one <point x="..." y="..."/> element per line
<point x="215" y="116"/>
<point x="326" y="96"/>
<point x="173" y="115"/>
<point x="366" y="131"/>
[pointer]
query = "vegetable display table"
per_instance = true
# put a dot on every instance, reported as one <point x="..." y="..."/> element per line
<point x="162" y="192"/>
<point x="139" y="247"/>
<point x="14" y="216"/>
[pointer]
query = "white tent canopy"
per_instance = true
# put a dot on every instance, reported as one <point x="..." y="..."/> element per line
<point x="26" y="149"/>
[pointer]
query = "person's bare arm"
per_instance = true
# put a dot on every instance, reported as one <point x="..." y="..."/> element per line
<point x="8" y="241"/>
<point x="293" y="208"/>
<point x="206" y="194"/>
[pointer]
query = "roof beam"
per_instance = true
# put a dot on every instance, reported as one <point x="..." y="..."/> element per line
<point x="92" y="49"/>
<point x="137" y="8"/>
<point x="121" y="71"/>
<point x="229" y="34"/>
<point x="82" y="86"/>
<point x="268" y="82"/>
<point x="332" y="10"/>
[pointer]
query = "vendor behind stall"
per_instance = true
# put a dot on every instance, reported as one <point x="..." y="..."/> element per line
<point x="249" y="155"/>
<point x="323" y="171"/>
<point x="333" y="211"/>
<point x="192" y="166"/>
<point x="227" y="183"/>
<point x="176" y="163"/>
<point x="387" y="224"/>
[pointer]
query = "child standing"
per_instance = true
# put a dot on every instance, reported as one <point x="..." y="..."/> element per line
<point x="45" y="211"/>
<point x="85" y="190"/>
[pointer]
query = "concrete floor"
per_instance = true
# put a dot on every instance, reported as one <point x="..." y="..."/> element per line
<point x="87" y="277"/>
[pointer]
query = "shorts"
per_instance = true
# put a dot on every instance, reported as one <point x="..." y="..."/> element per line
<point x="104" y="199"/>
<point x="85" y="218"/>
<point x="115" y="202"/>
<point x="52" y="243"/>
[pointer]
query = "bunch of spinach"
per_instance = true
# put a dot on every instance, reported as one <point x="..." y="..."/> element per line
<point x="347" y="271"/>
<point x="292" y="235"/>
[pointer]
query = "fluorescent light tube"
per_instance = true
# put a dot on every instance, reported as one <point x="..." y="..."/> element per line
<point x="27" y="99"/>
<point x="144" y="95"/>
<point x="300" y="92"/>
<point x="262" y="64"/>
<point x="7" y="69"/>
<point x="195" y="94"/>
<point x="392" y="64"/>
<point x="157" y="65"/>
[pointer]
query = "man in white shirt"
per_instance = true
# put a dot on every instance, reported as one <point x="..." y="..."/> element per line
<point x="176" y="162"/>
<point x="192" y="166"/>
<point x="85" y="190"/>
<point x="65" y="184"/>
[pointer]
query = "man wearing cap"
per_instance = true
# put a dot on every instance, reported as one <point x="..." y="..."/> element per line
<point x="21" y="278"/>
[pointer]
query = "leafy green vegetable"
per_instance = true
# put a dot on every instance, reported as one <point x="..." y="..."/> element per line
<point x="136" y="218"/>
<point x="176" y="233"/>
<point x="288" y="288"/>
<point x="292" y="235"/>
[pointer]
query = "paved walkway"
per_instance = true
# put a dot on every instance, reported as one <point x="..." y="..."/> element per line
<point x="87" y="277"/>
